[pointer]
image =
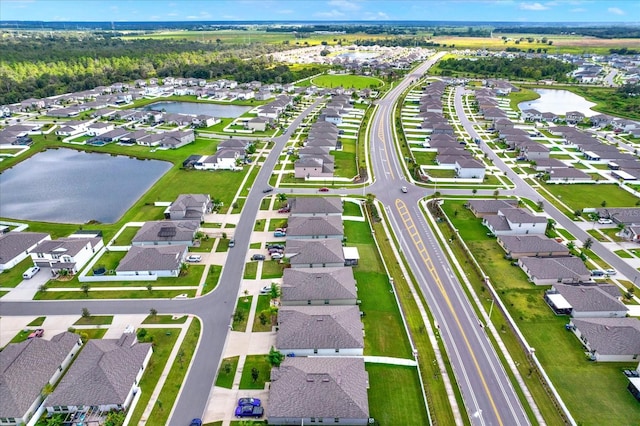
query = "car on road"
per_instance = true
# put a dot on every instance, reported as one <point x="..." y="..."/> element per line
<point x="324" y="189"/>
<point x="249" y="411"/>
<point x="38" y="332"/>
<point x="605" y="221"/>
<point x="250" y="401"/>
<point x="232" y="243"/>
<point x="267" y="190"/>
<point x="29" y="273"/>
<point x="196" y="422"/>
<point x="194" y="258"/>
<point x="404" y="189"/>
<point x="258" y="257"/>
<point x="610" y="271"/>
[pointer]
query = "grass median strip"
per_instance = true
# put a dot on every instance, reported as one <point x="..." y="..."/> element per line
<point x="227" y="372"/>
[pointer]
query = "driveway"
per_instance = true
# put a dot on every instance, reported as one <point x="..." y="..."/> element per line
<point x="28" y="288"/>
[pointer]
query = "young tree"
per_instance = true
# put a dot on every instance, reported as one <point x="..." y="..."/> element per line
<point x="275" y="358"/>
<point x="86" y="313"/>
<point x="588" y="243"/>
<point x="255" y="373"/>
<point x="153" y="312"/>
<point x="85" y="287"/>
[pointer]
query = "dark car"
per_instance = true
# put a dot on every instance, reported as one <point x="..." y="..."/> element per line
<point x="258" y="257"/>
<point x="275" y="246"/>
<point x="196" y="422"/>
<point x="250" y="401"/>
<point x="249" y="411"/>
<point x="324" y="189"/>
<point x="267" y="190"/>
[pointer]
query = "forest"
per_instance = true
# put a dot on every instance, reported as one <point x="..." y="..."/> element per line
<point x="618" y="31"/>
<point x="516" y="68"/>
<point x="56" y="65"/>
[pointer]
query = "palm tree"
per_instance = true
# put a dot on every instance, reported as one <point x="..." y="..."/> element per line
<point x="587" y="243"/>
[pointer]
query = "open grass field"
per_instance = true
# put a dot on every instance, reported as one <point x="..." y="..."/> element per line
<point x="347" y="81"/>
<point x="559" y="351"/>
<point x="398" y="401"/>
<point x="579" y="196"/>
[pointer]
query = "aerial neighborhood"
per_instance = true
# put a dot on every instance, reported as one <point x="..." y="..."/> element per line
<point x="374" y="222"/>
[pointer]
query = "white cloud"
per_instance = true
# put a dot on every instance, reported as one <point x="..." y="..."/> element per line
<point x="330" y="14"/>
<point x="373" y="16"/>
<point x="533" y="6"/>
<point x="344" y="4"/>
<point x="616" y="11"/>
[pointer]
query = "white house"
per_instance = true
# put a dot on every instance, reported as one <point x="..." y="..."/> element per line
<point x="511" y="221"/>
<point x="469" y="168"/>
<point x="98" y="128"/>
<point x="224" y="159"/>
<point x="66" y="254"/>
<point x="159" y="261"/>
<point x="609" y="339"/>
<point x="15" y="247"/>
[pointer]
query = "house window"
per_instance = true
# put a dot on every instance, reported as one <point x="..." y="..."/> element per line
<point x="308" y="302"/>
<point x="337" y="350"/>
<point x="40" y="255"/>
<point x="315" y="351"/>
<point x="326" y="301"/>
<point x="336" y="420"/>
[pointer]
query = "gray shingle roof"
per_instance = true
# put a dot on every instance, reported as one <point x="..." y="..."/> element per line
<point x="611" y="336"/>
<point x="521" y="216"/>
<point x="319" y="327"/>
<point x="102" y="374"/>
<point x="14" y="243"/>
<point x="319" y="387"/>
<point x="315" y="226"/>
<point x="26" y="367"/>
<point x="531" y="244"/>
<point x="556" y="268"/>
<point x="314" y="251"/>
<point x="152" y="258"/>
<point x="68" y="246"/>
<point x="316" y="205"/>
<point x="491" y="206"/>
<point x="591" y="298"/>
<point x="302" y="284"/>
<point x="167" y="230"/>
<point x="497" y="222"/>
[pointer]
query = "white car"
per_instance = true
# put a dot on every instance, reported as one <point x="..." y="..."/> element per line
<point x="603" y="221"/>
<point x="194" y="258"/>
<point x="29" y="273"/>
<point x="610" y="271"/>
<point x="276" y="256"/>
<point x="404" y="189"/>
<point x="265" y="290"/>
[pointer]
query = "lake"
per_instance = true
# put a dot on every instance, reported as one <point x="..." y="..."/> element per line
<point x="559" y="102"/>
<point x="194" y="108"/>
<point x="69" y="186"/>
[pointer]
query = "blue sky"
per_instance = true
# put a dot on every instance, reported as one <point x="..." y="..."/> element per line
<point x="322" y="10"/>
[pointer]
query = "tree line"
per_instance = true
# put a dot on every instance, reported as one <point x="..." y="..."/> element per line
<point x="518" y="68"/>
<point x="52" y="66"/>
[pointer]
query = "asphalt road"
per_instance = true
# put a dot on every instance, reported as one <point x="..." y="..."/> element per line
<point x="214" y="309"/>
<point x="489" y="396"/>
<point x="523" y="189"/>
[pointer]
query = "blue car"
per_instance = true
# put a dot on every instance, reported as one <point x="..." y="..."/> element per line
<point x="249" y="411"/>
<point x="196" y="422"/>
<point x="249" y="401"/>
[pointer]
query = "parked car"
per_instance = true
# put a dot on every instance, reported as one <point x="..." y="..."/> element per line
<point x="194" y="258"/>
<point x="610" y="271"/>
<point x="39" y="332"/>
<point x="232" y="243"/>
<point x="250" y="401"/>
<point x="265" y="290"/>
<point x="249" y="411"/>
<point x="276" y="256"/>
<point x="29" y="273"/>
<point x="604" y="221"/>
<point x="284" y="210"/>
<point x="324" y="189"/>
<point x="279" y="234"/>
<point x="597" y="273"/>
<point x="196" y="422"/>
<point x="258" y="257"/>
<point x="275" y="246"/>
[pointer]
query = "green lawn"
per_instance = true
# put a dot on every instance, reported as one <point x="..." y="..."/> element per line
<point x="565" y="234"/>
<point x="264" y="302"/>
<point x="223" y="245"/>
<point x="36" y="322"/>
<point x="259" y="362"/>
<point x="346" y="81"/>
<point x="611" y="233"/>
<point x="95" y="320"/>
<point x="241" y="314"/>
<point x="398" y="401"/>
<point x="255" y="246"/>
<point x="163" y="341"/>
<point x="109" y="260"/>
<point x="250" y="270"/>
<point x="227" y="372"/>
<point x="277" y="223"/>
<point x="624" y="254"/>
<point x="441" y="173"/>
<point x="126" y="236"/>
<point x="114" y="294"/>
<point x="164" y="319"/>
<point x="259" y="225"/>
<point x="425" y="158"/>
<point x="580" y="196"/>
<point x="10" y="278"/>
<point x="205" y="245"/>
<point x="272" y="269"/>
<point x="345" y="160"/>
<point x="160" y="413"/>
<point x="352" y="209"/>
<point x="213" y="278"/>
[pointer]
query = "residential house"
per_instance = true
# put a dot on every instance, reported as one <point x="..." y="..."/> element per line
<point x="609" y="339"/>
<point x="224" y="159"/>
<point x="159" y="261"/>
<point x="320" y="330"/>
<point x="586" y="301"/>
<point x="517" y="246"/>
<point x="574" y="117"/>
<point x="167" y="232"/>
<point x="535" y="151"/>
<point x="324" y="253"/>
<point x="631" y="233"/>
<point x="620" y="215"/>
<point x="314" y="167"/>
<point x="105" y="375"/>
<point x="328" y="390"/>
<point x="481" y="207"/>
<point x="98" y="128"/>
<point x="469" y="168"/>
<point x="568" y="175"/>
<point x="177" y="139"/>
<point x="26" y="368"/>
<point x="315" y="206"/>
<point x="511" y="221"/>
<point x="258" y="124"/>
<point x="303" y="227"/>
<point x="189" y="207"/>
<point x="66" y="254"/>
<point x="15" y="247"/>
<point x="600" y="120"/>
<point x="72" y="128"/>
<point x="313" y="286"/>
<point x="551" y="270"/>
<point x="547" y="164"/>
<point x="531" y="115"/>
